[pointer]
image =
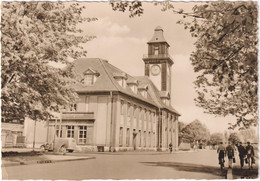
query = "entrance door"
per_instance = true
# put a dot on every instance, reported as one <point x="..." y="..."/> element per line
<point x="134" y="139"/>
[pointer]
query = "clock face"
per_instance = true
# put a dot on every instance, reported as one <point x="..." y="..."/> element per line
<point x="155" y="69"/>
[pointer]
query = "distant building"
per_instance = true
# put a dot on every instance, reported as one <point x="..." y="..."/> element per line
<point x="12" y="132"/>
<point x="117" y="111"/>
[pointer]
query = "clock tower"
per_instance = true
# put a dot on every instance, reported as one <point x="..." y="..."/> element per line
<point x="158" y="62"/>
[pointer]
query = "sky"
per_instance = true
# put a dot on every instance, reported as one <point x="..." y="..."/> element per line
<point x="123" y="41"/>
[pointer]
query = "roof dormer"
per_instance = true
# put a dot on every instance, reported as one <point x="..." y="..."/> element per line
<point x="143" y="90"/>
<point x="89" y="77"/>
<point x="165" y="97"/>
<point x="121" y="78"/>
<point x="132" y="83"/>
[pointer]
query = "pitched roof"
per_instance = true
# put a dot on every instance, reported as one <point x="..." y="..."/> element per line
<point x="155" y="93"/>
<point x="158" y="36"/>
<point x="106" y="80"/>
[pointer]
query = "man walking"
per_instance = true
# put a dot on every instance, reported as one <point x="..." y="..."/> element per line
<point x="250" y="154"/>
<point x="241" y="151"/>
<point x="230" y="153"/>
<point x="221" y="154"/>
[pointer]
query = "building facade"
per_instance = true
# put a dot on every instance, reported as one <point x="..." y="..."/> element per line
<point x="118" y="112"/>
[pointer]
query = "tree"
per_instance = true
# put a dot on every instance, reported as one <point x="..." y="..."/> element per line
<point x="225" y="57"/>
<point x="234" y="138"/>
<point x="248" y="135"/>
<point x="181" y="126"/>
<point x="35" y="34"/>
<point x="216" y="138"/>
<point x="195" y="131"/>
<point x="134" y="7"/>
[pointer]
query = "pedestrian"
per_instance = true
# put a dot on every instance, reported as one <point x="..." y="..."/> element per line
<point x="250" y="155"/>
<point x="170" y="147"/>
<point x="242" y="153"/>
<point x="230" y="154"/>
<point x="221" y="154"/>
<point x="195" y="146"/>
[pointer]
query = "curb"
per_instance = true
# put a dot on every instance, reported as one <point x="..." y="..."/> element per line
<point x="43" y="162"/>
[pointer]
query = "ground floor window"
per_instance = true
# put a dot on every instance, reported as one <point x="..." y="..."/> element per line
<point x="121" y="136"/>
<point x="70" y="131"/>
<point x="82" y="134"/>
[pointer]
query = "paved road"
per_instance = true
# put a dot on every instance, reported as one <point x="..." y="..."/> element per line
<point x="188" y="165"/>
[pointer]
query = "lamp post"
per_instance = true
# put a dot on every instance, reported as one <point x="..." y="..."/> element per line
<point x="34" y="134"/>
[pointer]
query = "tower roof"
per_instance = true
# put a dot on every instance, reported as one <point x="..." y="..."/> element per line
<point x="158" y="36"/>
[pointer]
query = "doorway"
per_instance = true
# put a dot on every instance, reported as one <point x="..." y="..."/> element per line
<point x="134" y="139"/>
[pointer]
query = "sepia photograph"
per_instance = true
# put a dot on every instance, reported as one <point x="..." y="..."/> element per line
<point x="127" y="90"/>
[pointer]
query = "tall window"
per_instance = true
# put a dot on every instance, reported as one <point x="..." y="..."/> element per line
<point x="128" y="109"/>
<point x="149" y="139"/>
<point x="70" y="131"/>
<point x="121" y="136"/>
<point x="122" y="107"/>
<point x="144" y="138"/>
<point x="127" y="137"/>
<point x="82" y="134"/>
<point x="135" y="111"/>
<point x="140" y="138"/>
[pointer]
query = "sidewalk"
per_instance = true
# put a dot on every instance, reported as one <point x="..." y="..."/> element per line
<point x="40" y="159"/>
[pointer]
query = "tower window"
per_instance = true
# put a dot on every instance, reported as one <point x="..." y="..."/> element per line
<point x="156" y="50"/>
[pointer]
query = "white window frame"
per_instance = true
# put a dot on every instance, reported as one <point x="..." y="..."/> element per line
<point x="70" y="132"/>
<point x="73" y="107"/>
<point x="83" y="130"/>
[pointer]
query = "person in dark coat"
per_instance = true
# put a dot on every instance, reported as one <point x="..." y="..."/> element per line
<point x="230" y="154"/>
<point x="250" y="154"/>
<point x="242" y="153"/>
<point x="221" y="154"/>
<point x="170" y="147"/>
